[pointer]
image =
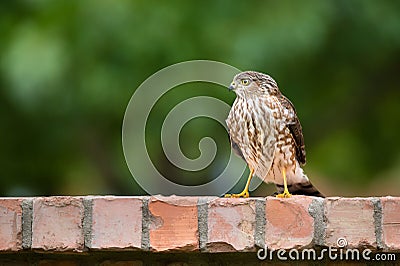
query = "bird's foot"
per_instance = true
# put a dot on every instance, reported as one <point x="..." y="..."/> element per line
<point x="243" y="194"/>
<point x="285" y="194"/>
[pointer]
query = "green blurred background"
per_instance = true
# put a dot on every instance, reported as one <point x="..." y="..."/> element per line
<point x="69" y="68"/>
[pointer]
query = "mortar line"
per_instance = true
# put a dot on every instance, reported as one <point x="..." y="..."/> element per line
<point x="202" y="216"/>
<point x="146" y="220"/>
<point x="317" y="211"/>
<point x="378" y="222"/>
<point x="27" y="218"/>
<point x="259" y="232"/>
<point x="87" y="222"/>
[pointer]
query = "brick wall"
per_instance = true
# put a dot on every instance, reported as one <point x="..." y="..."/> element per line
<point x="187" y="230"/>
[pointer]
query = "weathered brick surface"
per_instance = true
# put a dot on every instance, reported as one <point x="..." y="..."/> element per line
<point x="57" y="223"/>
<point x="10" y="224"/>
<point x="180" y="224"/>
<point x="391" y="222"/>
<point x="116" y="222"/>
<point x="174" y="224"/>
<point x="288" y="222"/>
<point x="231" y="225"/>
<point x="352" y="219"/>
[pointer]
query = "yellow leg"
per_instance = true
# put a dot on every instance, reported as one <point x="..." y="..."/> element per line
<point x="285" y="193"/>
<point x="245" y="192"/>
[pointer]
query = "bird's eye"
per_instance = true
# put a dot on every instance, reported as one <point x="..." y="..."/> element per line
<point x="245" y="81"/>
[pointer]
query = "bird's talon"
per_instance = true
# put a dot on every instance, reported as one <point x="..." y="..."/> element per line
<point x="243" y="194"/>
<point x="285" y="194"/>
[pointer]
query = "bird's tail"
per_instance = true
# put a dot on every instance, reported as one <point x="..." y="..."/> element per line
<point x="305" y="188"/>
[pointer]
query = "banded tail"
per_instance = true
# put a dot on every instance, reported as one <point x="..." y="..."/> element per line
<point x="305" y="188"/>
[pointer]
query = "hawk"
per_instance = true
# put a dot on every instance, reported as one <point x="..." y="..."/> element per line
<point x="265" y="131"/>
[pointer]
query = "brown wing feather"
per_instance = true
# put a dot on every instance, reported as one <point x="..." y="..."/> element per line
<point x="295" y="129"/>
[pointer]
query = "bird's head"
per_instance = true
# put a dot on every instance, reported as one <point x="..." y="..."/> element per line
<point x="254" y="83"/>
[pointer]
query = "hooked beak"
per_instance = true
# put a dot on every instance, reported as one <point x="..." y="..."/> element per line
<point x="232" y="86"/>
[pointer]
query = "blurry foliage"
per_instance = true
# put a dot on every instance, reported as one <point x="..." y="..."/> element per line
<point x="69" y="68"/>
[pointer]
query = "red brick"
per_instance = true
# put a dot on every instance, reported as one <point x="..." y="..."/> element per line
<point x="116" y="222"/>
<point x="288" y="222"/>
<point x="10" y="224"/>
<point x="57" y="223"/>
<point x="174" y="224"/>
<point x="391" y="222"/>
<point x="231" y="225"/>
<point x="352" y="219"/>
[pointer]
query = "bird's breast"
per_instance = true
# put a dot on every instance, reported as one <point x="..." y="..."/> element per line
<point x="251" y="124"/>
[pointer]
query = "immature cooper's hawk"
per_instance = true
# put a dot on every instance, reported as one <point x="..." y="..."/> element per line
<point x="265" y="131"/>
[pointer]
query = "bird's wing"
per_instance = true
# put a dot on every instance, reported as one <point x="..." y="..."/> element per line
<point x="295" y="129"/>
